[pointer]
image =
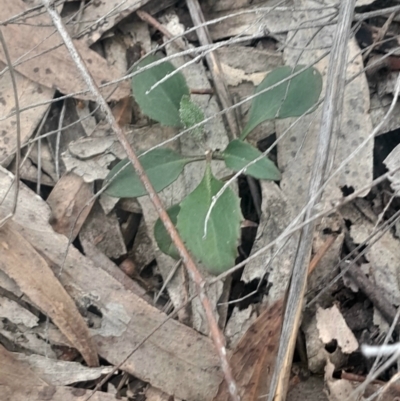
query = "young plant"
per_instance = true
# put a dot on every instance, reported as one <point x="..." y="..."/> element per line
<point x="163" y="95"/>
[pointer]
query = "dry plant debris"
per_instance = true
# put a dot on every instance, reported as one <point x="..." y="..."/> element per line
<point x="83" y="279"/>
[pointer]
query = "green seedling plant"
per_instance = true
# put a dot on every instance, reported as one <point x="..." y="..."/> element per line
<point x="285" y="92"/>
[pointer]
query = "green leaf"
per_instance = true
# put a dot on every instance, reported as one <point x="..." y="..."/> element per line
<point x="218" y="250"/>
<point x="281" y="101"/>
<point x="239" y="154"/>
<point x="190" y="115"/>
<point x="162" y="166"/>
<point x="162" y="237"/>
<point x="163" y="102"/>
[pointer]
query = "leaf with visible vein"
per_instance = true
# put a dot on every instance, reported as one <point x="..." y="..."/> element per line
<point x="218" y="250"/>
<point x="291" y="98"/>
<point x="162" y="166"/>
<point x="239" y="154"/>
<point x="162" y="103"/>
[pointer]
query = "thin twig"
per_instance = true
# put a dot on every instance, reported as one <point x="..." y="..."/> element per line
<point x="359" y="251"/>
<point x="381" y="34"/>
<point x="39" y="151"/>
<point x="216" y="334"/>
<point x="321" y="253"/>
<point x="39" y="167"/>
<point x="167" y="280"/>
<point x="372" y="291"/>
<point x="376" y="13"/>
<point x="294" y="305"/>
<point x="58" y="139"/>
<point x="214" y="66"/>
<point x="146" y="17"/>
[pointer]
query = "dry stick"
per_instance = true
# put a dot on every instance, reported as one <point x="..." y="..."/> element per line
<point x="321" y="253"/>
<point x="390" y="389"/>
<point x="381" y="34"/>
<point x="215" y="66"/>
<point x="146" y="17"/>
<point x="294" y="306"/>
<point x="359" y="251"/>
<point x="376" y="13"/>
<point x="216" y="334"/>
<point x="58" y="139"/>
<point x="374" y="293"/>
<point x="18" y="120"/>
<point x="28" y="152"/>
<point x="79" y="17"/>
<point x="206" y="91"/>
<point x="167" y="281"/>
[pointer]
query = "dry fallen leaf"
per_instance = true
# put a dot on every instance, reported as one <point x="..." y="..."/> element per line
<point x="60" y="373"/>
<point x="383" y="257"/>
<point x="106" y="14"/>
<point x="332" y="326"/>
<point x="253" y="358"/>
<point x="297" y="146"/>
<point x="122" y="111"/>
<point x="104" y="231"/>
<point x="29" y="92"/>
<point x="29" y="270"/>
<point x="53" y="66"/>
<point x="67" y="201"/>
<point x="12" y="370"/>
<point x="20" y="383"/>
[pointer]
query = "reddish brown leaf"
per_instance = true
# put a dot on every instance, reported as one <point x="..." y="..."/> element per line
<point x="122" y="111"/>
<point x="253" y="358"/>
<point x="20" y="261"/>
